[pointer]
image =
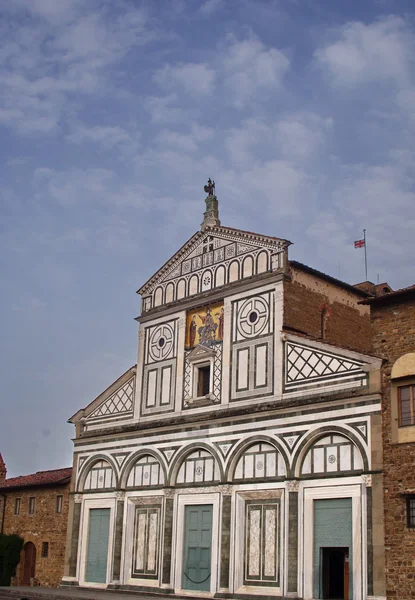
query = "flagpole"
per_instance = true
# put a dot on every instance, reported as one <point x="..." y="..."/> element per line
<point x="364" y="237"/>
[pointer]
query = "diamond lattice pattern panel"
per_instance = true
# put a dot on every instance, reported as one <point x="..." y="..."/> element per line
<point x="120" y="402"/>
<point x="305" y="364"/>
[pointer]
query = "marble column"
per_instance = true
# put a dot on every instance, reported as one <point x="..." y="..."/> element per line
<point x="225" y="536"/>
<point x="168" y="534"/>
<point x="119" y="516"/>
<point x="292" y="579"/>
<point x="368" y="483"/>
<point x="73" y="541"/>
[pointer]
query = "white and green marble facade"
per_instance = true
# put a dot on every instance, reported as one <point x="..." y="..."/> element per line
<point x="287" y="421"/>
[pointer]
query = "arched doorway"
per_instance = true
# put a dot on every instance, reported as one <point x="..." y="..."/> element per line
<point x="29" y="563"/>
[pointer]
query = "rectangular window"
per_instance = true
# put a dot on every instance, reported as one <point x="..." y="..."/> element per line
<point x="45" y="549"/>
<point x="32" y="505"/>
<point x="59" y="504"/>
<point x="17" y="503"/>
<point x="203" y="381"/>
<point x="411" y="510"/>
<point x="406" y="397"/>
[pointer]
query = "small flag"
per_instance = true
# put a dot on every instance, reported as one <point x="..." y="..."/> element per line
<point x="359" y="243"/>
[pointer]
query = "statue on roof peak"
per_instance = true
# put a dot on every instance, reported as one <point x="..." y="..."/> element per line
<point x="210" y="187"/>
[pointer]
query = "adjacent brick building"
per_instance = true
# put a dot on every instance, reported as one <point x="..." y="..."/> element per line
<point x="393" y="335"/>
<point x="36" y="508"/>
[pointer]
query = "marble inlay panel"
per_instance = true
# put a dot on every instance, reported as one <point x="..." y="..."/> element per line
<point x="152" y="542"/>
<point x="254" y="542"/>
<point x="140" y="548"/>
<point x="270" y="542"/>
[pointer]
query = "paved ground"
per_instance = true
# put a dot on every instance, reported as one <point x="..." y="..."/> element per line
<point x="68" y="593"/>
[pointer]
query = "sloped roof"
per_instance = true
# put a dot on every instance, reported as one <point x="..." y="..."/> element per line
<point x="339" y="282"/>
<point x="395" y="295"/>
<point x="41" y="478"/>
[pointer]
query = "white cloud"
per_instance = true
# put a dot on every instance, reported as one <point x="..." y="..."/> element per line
<point x="186" y="142"/>
<point x="163" y="109"/>
<point x="295" y="137"/>
<point x="301" y="136"/>
<point x="48" y="61"/>
<point x="251" y="69"/>
<point x="380" y="51"/>
<point x="73" y="186"/>
<point x="106" y="136"/>
<point x="210" y="6"/>
<point x="192" y="78"/>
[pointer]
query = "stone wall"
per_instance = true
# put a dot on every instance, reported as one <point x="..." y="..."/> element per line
<point x="347" y="323"/>
<point x="46" y="525"/>
<point x="393" y="327"/>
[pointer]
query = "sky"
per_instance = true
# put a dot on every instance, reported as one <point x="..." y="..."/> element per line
<point x="114" y="113"/>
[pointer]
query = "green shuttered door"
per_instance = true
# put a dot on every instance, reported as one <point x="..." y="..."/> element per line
<point x="332" y="529"/>
<point x="197" y="548"/>
<point x="97" y="552"/>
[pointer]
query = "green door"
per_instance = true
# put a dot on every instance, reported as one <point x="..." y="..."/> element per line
<point x="97" y="551"/>
<point x="332" y="529"/>
<point x="197" y="547"/>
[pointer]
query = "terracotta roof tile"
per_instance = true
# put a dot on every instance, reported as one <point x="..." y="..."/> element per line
<point x="57" y="476"/>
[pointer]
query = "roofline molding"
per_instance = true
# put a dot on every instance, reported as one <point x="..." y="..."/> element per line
<point x="245" y="235"/>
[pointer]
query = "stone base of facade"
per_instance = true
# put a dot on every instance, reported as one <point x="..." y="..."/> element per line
<point x="69" y="583"/>
<point x="140" y="589"/>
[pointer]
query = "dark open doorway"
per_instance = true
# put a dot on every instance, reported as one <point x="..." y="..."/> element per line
<point x="335" y="573"/>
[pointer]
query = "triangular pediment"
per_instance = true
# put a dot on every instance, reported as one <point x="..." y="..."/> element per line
<point x="209" y="248"/>
<point x="200" y="351"/>
<point x="115" y="402"/>
<point x="310" y="364"/>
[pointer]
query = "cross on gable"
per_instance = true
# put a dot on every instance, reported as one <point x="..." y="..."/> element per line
<point x="208" y="244"/>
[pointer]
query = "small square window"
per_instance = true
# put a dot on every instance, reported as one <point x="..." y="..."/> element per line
<point x="32" y="505"/>
<point x="406" y="401"/>
<point x="45" y="549"/>
<point x="410" y="506"/>
<point x="17" y="503"/>
<point x="203" y="380"/>
<point x="59" y="504"/>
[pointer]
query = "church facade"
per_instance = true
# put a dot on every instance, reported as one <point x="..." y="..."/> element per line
<point x="242" y="454"/>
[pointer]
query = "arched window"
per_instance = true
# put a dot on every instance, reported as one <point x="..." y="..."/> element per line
<point x="169" y="292"/>
<point x="260" y="461"/>
<point x="330" y="455"/>
<point x="198" y="467"/>
<point x="100" y="477"/>
<point x="146" y="471"/>
<point x="158" y="296"/>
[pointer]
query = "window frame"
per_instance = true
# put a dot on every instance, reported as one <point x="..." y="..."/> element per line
<point x="411" y="387"/>
<point x="59" y="504"/>
<point x="196" y="374"/>
<point x="410" y="511"/>
<point x="17" y="506"/>
<point x="30" y="511"/>
<point x="45" y="550"/>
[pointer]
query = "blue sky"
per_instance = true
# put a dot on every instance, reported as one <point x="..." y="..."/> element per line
<point x="113" y="114"/>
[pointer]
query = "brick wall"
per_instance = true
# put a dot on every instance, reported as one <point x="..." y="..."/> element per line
<point x="347" y="323"/>
<point x="46" y="525"/>
<point x="393" y="327"/>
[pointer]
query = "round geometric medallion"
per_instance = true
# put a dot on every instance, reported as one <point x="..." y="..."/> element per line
<point x="253" y="317"/>
<point x="161" y="342"/>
